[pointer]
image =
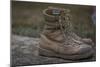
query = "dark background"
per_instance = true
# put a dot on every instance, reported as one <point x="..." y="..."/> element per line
<point x="27" y="18"/>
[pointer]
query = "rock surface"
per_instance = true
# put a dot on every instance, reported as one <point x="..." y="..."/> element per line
<point x="24" y="51"/>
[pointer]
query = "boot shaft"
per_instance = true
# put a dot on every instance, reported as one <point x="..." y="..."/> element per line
<point x="56" y="18"/>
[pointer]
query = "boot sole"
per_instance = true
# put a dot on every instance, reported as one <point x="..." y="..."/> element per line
<point x="49" y="53"/>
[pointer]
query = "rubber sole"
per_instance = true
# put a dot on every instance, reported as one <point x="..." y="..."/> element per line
<point x="48" y="53"/>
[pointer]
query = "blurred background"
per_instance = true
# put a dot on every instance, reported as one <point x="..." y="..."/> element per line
<point x="27" y="18"/>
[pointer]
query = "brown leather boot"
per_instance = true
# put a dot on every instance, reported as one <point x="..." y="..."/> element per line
<point x="58" y="39"/>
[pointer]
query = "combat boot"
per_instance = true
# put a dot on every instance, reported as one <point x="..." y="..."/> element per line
<point x="54" y="42"/>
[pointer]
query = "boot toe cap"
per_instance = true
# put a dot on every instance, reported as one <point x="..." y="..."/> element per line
<point x="85" y="49"/>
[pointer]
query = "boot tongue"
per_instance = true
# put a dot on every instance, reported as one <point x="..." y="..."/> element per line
<point x="56" y="12"/>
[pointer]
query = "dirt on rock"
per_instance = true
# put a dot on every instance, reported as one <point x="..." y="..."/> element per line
<point x="24" y="51"/>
